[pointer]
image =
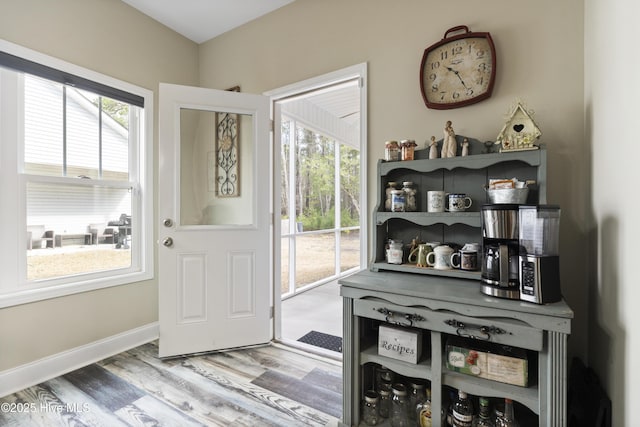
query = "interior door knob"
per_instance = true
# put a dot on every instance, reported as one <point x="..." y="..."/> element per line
<point x="168" y="241"/>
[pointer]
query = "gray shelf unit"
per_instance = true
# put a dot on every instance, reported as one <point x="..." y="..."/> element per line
<point x="470" y="175"/>
<point x="541" y="329"/>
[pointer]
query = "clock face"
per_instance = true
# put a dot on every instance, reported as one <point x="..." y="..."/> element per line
<point x="458" y="71"/>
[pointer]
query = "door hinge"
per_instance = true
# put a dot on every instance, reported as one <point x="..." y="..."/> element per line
<point x="273" y="126"/>
<point x="271" y="312"/>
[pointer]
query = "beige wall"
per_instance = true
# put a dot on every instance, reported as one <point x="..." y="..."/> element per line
<point x="114" y="39"/>
<point x="612" y="90"/>
<point x="540" y="60"/>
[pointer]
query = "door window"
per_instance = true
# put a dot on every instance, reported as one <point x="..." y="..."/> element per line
<point x="216" y="173"/>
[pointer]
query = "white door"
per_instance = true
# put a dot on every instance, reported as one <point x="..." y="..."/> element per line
<point x="214" y="224"/>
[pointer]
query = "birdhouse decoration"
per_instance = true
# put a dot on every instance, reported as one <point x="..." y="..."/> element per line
<point x="519" y="132"/>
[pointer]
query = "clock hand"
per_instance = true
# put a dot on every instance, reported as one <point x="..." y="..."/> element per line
<point x="458" y="74"/>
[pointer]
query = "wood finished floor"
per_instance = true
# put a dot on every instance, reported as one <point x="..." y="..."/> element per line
<point x="266" y="386"/>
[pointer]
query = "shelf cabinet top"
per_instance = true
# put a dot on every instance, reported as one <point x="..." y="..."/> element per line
<point x="450" y="293"/>
<point x="476" y="161"/>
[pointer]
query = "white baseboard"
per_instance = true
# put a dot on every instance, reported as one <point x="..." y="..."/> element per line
<point x="21" y="377"/>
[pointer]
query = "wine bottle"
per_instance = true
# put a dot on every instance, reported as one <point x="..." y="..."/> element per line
<point x="507" y="419"/>
<point x="462" y="415"/>
<point x="484" y="416"/>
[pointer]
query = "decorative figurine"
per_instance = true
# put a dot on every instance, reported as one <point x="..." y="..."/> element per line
<point x="433" y="148"/>
<point x="449" y="141"/>
<point x="488" y="147"/>
<point x="465" y="147"/>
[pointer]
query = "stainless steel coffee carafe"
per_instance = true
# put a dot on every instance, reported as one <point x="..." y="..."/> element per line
<point x="500" y="251"/>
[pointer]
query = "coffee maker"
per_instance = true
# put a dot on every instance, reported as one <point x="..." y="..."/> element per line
<point x="539" y="253"/>
<point x="500" y="251"/>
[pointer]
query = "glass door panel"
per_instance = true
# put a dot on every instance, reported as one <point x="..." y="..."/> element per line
<point x="349" y="249"/>
<point x="315" y="258"/>
<point x="216" y="168"/>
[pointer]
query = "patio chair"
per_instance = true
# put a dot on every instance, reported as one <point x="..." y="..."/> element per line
<point x="101" y="233"/>
<point x="37" y="235"/>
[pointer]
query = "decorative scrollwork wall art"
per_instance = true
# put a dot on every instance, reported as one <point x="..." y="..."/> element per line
<point x="227" y="153"/>
<point x="227" y="176"/>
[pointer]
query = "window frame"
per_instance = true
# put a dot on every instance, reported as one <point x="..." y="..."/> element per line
<point x="14" y="287"/>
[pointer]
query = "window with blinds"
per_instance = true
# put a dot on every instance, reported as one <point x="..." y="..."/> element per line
<point x="84" y="213"/>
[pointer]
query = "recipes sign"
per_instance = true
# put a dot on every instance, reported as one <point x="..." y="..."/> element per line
<point x="400" y="343"/>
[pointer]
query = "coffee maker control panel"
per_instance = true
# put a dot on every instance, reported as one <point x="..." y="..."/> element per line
<point x="527" y="279"/>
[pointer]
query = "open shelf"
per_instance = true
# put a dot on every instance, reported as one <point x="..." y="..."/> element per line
<point x="422" y="369"/>
<point x="412" y="268"/>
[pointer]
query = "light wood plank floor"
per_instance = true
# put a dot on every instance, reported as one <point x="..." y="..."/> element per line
<point x="266" y="386"/>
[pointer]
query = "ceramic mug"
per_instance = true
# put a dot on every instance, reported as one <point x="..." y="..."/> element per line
<point x="471" y="247"/>
<point x="440" y="258"/>
<point x="458" y="202"/>
<point x="435" y="201"/>
<point x="418" y="256"/>
<point x="467" y="260"/>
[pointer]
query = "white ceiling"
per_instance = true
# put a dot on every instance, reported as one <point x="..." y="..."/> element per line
<point x="202" y="20"/>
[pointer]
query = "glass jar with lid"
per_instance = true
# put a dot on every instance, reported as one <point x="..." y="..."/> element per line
<point x="384" y="375"/>
<point x="391" y="186"/>
<point x="398" y="201"/>
<point x="407" y="146"/>
<point x="391" y="151"/>
<point x="370" y="408"/>
<point x="399" y="406"/>
<point x="384" y="404"/>
<point x="416" y="396"/>
<point x="410" y="196"/>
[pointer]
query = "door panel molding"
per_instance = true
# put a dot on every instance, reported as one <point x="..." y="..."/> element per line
<point x="241" y="284"/>
<point x="192" y="288"/>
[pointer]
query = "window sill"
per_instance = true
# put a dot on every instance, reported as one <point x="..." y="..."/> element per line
<point x="35" y="294"/>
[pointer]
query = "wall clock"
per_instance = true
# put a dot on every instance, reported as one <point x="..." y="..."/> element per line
<point x="458" y="70"/>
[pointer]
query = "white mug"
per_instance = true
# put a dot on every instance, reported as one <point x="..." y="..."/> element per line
<point x="458" y="202"/>
<point x="440" y="258"/>
<point x="435" y="201"/>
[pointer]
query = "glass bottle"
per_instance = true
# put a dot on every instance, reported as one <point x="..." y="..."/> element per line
<point x="399" y="415"/>
<point x="410" y="196"/>
<point x="391" y="186"/>
<point x="423" y="411"/>
<point x="507" y="419"/>
<point x="462" y="414"/>
<point x="370" y="409"/>
<point x="384" y="403"/>
<point x="484" y="416"/>
<point x="416" y="397"/>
